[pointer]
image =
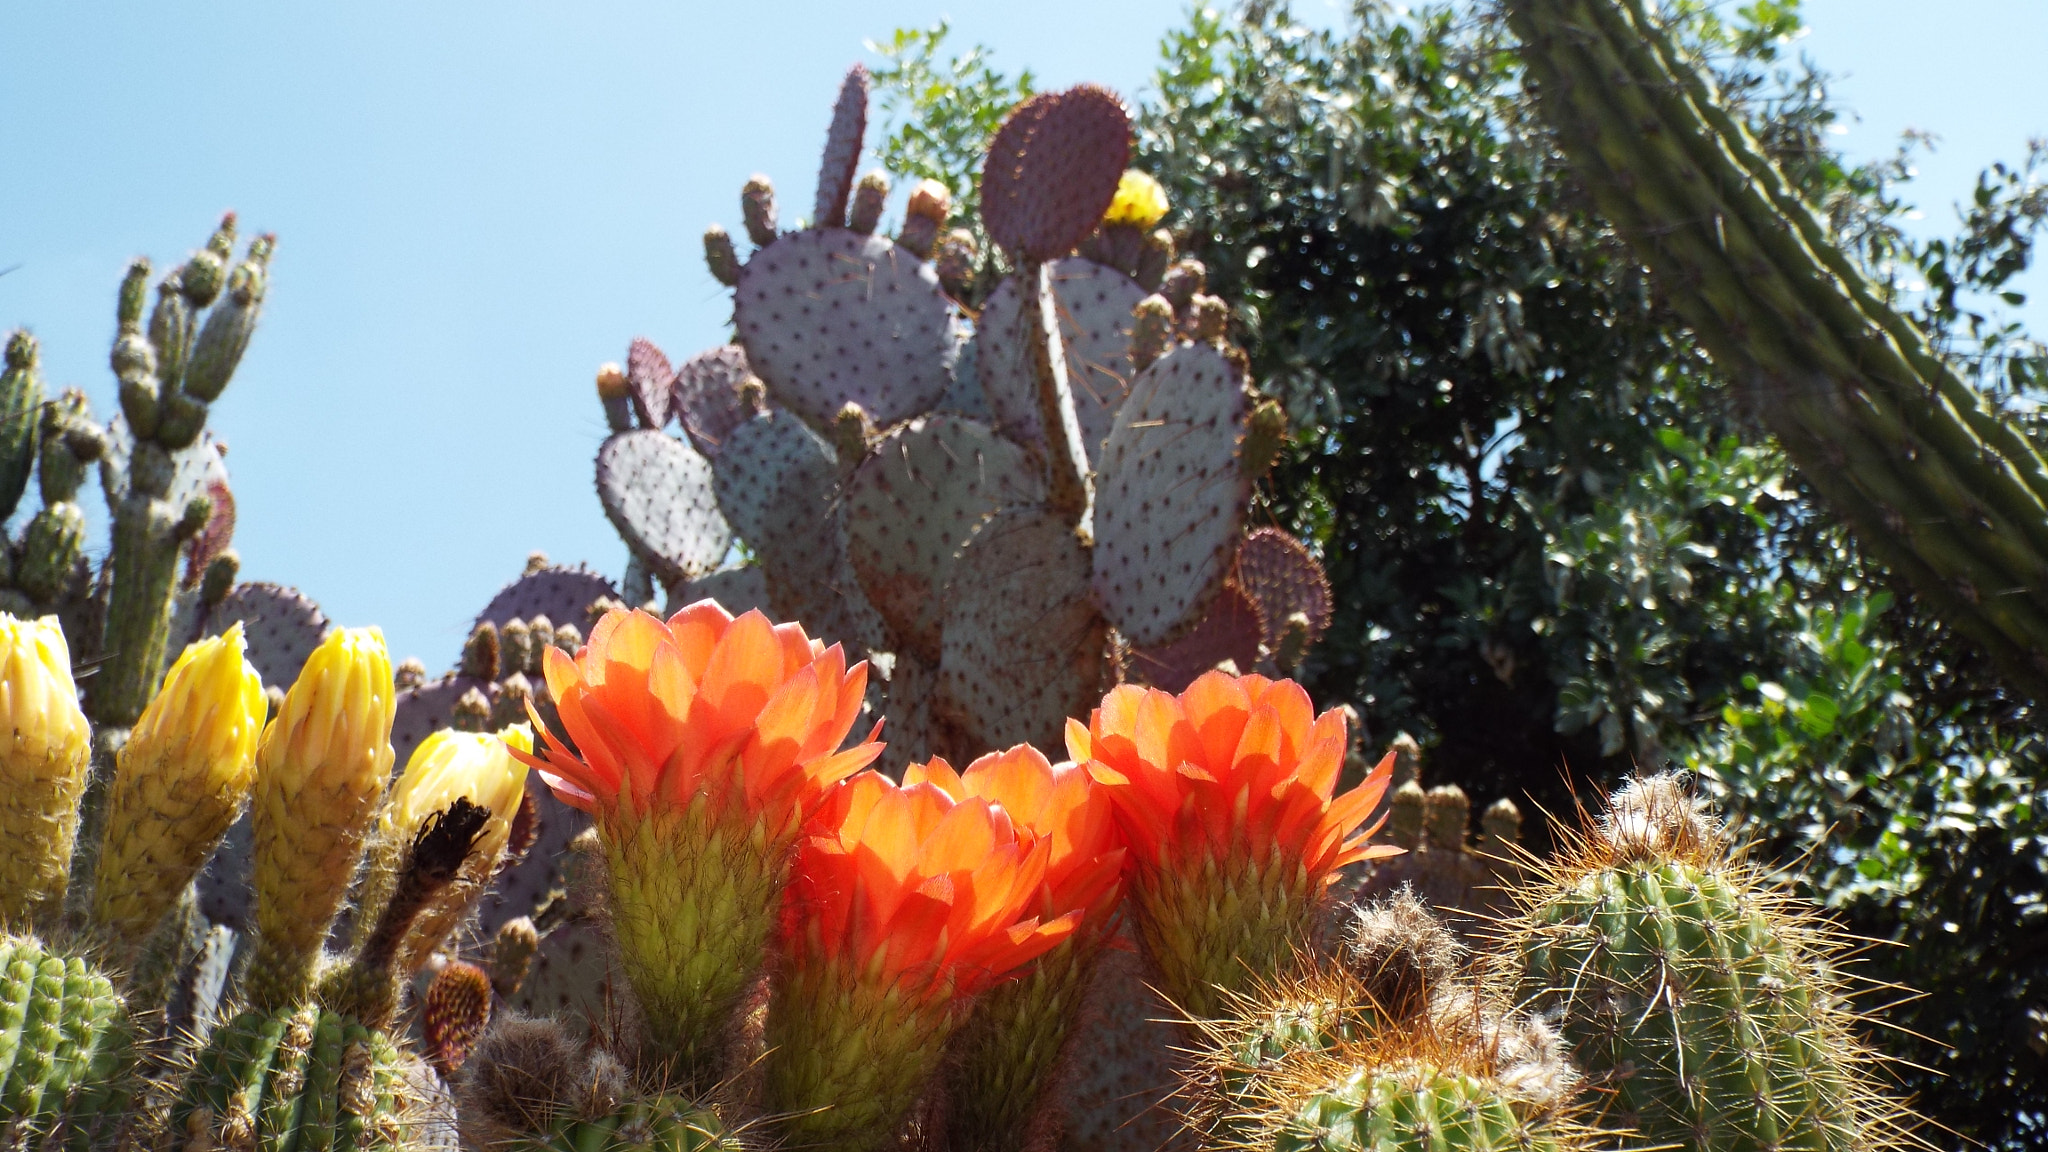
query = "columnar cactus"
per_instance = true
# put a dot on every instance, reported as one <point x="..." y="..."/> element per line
<point x="63" y="1040"/>
<point x="1705" y="1006"/>
<point x="1945" y="490"/>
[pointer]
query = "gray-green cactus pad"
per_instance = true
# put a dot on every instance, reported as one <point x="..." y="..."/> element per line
<point x="830" y="316"/>
<point x="914" y="503"/>
<point x="562" y="594"/>
<point x="1231" y="630"/>
<point x="650" y="381"/>
<point x="657" y="492"/>
<point x="1023" y="649"/>
<point x="762" y="457"/>
<point x="1095" y="303"/>
<point x="842" y="149"/>
<point x="915" y="730"/>
<point x="707" y="396"/>
<point x="965" y="396"/>
<point x="1278" y="573"/>
<point x="1170" y="494"/>
<point x="281" y="626"/>
<point x="1052" y="170"/>
<point x="737" y="590"/>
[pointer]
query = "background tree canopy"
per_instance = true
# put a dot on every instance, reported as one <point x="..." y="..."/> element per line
<point x="1560" y="547"/>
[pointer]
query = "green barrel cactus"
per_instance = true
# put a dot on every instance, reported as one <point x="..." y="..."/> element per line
<point x="308" y="1077"/>
<point x="1705" y="1007"/>
<point x="64" y="1039"/>
<point x="657" y="1124"/>
<point x="1416" y="1107"/>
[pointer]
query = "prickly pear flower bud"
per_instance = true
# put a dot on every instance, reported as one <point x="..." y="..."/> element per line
<point x="930" y="200"/>
<point x="1140" y="201"/>
<point x="904" y="903"/>
<point x="320" y="772"/>
<point x="702" y="745"/>
<point x="178" y="783"/>
<point x="1224" y="795"/>
<point x="47" y="746"/>
<point x="478" y="767"/>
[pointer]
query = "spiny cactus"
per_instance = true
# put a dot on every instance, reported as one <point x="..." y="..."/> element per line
<point x="285" y="1078"/>
<point x="535" y="1086"/>
<point x="64" y="1041"/>
<point x="991" y="497"/>
<point x="1708" y="1008"/>
<point x="1947" y="491"/>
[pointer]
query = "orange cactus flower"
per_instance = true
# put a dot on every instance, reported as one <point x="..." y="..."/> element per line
<point x="904" y="903"/>
<point x="701" y="745"/>
<point x="1225" y="797"/>
<point x="1000" y="1077"/>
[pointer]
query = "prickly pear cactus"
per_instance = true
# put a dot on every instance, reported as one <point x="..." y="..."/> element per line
<point x="656" y="490"/>
<point x="281" y="626"/>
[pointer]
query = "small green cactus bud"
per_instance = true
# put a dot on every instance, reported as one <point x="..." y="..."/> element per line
<point x="721" y="257"/>
<point x="1182" y="283"/>
<point x="472" y="713"/>
<point x="568" y="637"/>
<point x="22" y="353"/>
<point x="1407" y="759"/>
<point x="411" y="672"/>
<point x="1155" y="259"/>
<point x="1152" y="330"/>
<point x="225" y="338"/>
<point x="1292" y="643"/>
<point x="203" y="277"/>
<point x="180" y="419"/>
<point x="21" y="419"/>
<point x="139" y="401"/>
<point x="757" y="208"/>
<point x="930" y="204"/>
<point x="1211" y="318"/>
<point x="50" y="550"/>
<point x="868" y="197"/>
<point x="753" y="395"/>
<point x="541" y="632"/>
<point x="133" y="297"/>
<point x="1264" y="433"/>
<point x="512" y="951"/>
<point x="480" y="653"/>
<point x="515" y="646"/>
<point x="1446" y="818"/>
<point x="219" y="578"/>
<point x="1405" y="815"/>
<point x="613" y="393"/>
<point x="1501" y="825"/>
<point x="515" y="692"/>
<point x="852" y="432"/>
<point x="198" y="511"/>
<point x="535" y="562"/>
<point x="1402" y="954"/>
<point x="955" y="261"/>
<point x="170" y="330"/>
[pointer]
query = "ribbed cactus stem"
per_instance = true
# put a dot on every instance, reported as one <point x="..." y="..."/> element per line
<point x="1948" y="493"/>
<point x="1067" y="485"/>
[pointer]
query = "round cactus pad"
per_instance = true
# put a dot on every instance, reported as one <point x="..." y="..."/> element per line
<point x="1231" y="630"/>
<point x="1170" y="494"/>
<point x="707" y="395"/>
<point x="651" y="381"/>
<point x="657" y="492"/>
<point x="762" y="456"/>
<point x="912" y="506"/>
<point x="1052" y="170"/>
<point x="1282" y="578"/>
<point x="281" y="626"/>
<point x="1095" y="303"/>
<point x="830" y="316"/>
<point x="842" y="149"/>
<point x="737" y="590"/>
<point x="563" y="595"/>
<point x="1022" y="648"/>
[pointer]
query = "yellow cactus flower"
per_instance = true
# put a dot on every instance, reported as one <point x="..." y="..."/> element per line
<point x="178" y="783"/>
<point x="448" y="764"/>
<point x="320" y="773"/>
<point x="1140" y="201"/>
<point x="45" y="747"/>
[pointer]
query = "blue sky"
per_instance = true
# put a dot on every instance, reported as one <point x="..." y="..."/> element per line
<point x="477" y="204"/>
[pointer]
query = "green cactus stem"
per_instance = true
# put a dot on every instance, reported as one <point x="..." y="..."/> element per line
<point x="1003" y="1090"/>
<point x="64" y="1040"/>
<point x="21" y="397"/>
<point x="1941" y="487"/>
<point x="307" y="1077"/>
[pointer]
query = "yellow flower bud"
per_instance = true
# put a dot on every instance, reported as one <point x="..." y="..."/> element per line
<point x="45" y="747"/>
<point x="320" y="773"/>
<point x="1140" y="201"/>
<point x="178" y="783"/>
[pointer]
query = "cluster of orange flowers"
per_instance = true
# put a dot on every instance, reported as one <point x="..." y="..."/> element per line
<point x="924" y="893"/>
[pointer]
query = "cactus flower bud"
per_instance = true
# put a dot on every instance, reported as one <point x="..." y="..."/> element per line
<point x="1155" y="259"/>
<point x="720" y="256"/>
<point x="930" y="200"/>
<point x="956" y="260"/>
<point x="321" y="769"/>
<point x="1139" y="202"/>
<point x="868" y="197"/>
<point x="757" y="207"/>
<point x="178" y="783"/>
<point x="47" y="746"/>
<point x="616" y="397"/>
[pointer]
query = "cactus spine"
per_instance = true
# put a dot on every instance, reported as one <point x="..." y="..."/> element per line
<point x="1695" y="995"/>
<point x="274" y="1080"/>
<point x="63" y="1039"/>
<point x="1941" y="487"/>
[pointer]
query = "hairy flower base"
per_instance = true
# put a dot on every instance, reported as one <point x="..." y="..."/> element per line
<point x="846" y="1063"/>
<point x="1212" y="928"/>
<point x="1003" y="1089"/>
<point x="693" y="901"/>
